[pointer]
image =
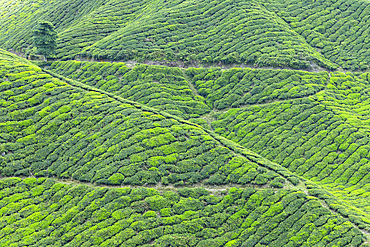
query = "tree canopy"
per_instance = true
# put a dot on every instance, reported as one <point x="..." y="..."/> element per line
<point x="44" y="38"/>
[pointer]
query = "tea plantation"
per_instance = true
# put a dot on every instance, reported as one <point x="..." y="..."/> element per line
<point x="339" y="29"/>
<point x="43" y="212"/>
<point x="52" y="128"/>
<point x="209" y="32"/>
<point x="175" y="123"/>
<point x="164" y="88"/>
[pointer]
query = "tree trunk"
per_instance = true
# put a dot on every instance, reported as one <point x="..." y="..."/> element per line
<point x="45" y="59"/>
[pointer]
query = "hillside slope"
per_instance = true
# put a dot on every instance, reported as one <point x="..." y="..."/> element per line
<point x="164" y="88"/>
<point x="19" y="17"/>
<point x="295" y="34"/>
<point x="314" y="124"/>
<point x="296" y="118"/>
<point x="213" y="32"/>
<point x="52" y="128"/>
<point x="43" y="212"/>
<point x="186" y="123"/>
<point x="338" y="29"/>
<point x="55" y="127"/>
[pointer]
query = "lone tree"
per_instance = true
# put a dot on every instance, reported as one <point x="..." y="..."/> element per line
<point x="44" y="39"/>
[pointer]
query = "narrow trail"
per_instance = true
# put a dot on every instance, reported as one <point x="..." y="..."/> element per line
<point x="366" y="233"/>
<point x="301" y="186"/>
<point x="181" y="64"/>
<point x="217" y="189"/>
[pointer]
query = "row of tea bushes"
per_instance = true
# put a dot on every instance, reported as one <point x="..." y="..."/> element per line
<point x="324" y="137"/>
<point x="239" y="87"/>
<point x="210" y="32"/>
<point x="338" y="28"/>
<point x="161" y="87"/>
<point x="42" y="212"/>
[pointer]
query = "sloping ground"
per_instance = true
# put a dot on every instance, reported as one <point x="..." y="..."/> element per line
<point x="239" y="87"/>
<point x="209" y="32"/>
<point x="163" y="88"/>
<point x="267" y="123"/>
<point x="105" y="20"/>
<point x="42" y="212"/>
<point x="338" y="28"/>
<point x="295" y="34"/>
<point x="217" y="31"/>
<point x="69" y="130"/>
<point x="19" y="17"/>
<point x="287" y="116"/>
<point x="54" y="126"/>
<point x="315" y="126"/>
<point x="323" y="137"/>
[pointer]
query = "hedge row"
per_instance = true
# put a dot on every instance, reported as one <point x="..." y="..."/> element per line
<point x="163" y="88"/>
<point x="239" y="87"/>
<point x="42" y="212"/>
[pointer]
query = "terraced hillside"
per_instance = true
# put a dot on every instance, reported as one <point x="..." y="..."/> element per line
<point x="322" y="135"/>
<point x="19" y="17"/>
<point x="296" y="34"/>
<point x="252" y="106"/>
<point x="52" y="128"/>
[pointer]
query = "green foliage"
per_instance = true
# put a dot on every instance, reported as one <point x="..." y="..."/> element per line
<point x="240" y="87"/>
<point x="44" y="38"/>
<point x="77" y="131"/>
<point x="71" y="215"/>
<point x="211" y="32"/>
<point x="314" y="125"/>
<point x="163" y="88"/>
<point x="339" y="29"/>
<point x="322" y="137"/>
